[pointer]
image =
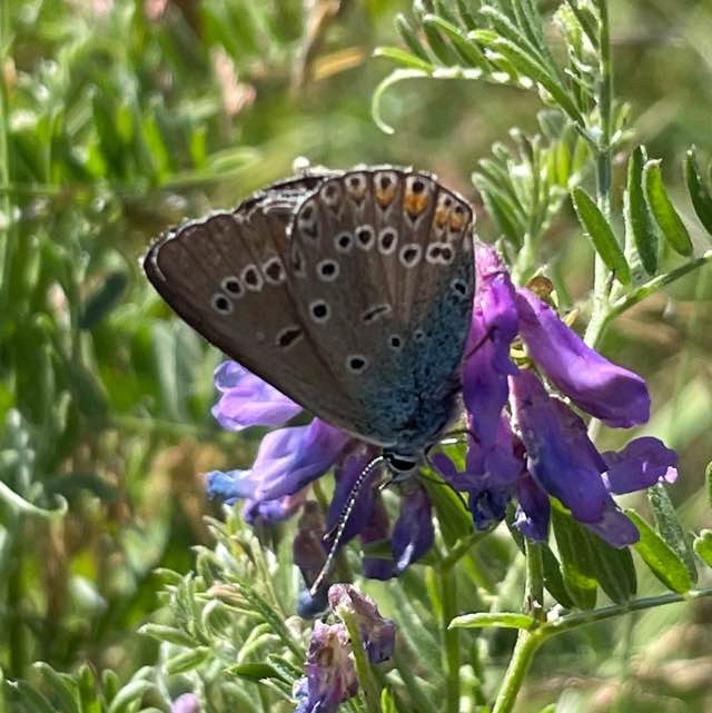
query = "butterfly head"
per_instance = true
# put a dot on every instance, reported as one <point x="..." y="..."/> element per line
<point x="402" y="464"/>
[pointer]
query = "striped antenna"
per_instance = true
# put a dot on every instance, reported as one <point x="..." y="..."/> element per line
<point x="343" y="521"/>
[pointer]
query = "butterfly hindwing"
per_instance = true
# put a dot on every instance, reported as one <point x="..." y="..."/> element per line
<point x="350" y="292"/>
<point x="384" y="287"/>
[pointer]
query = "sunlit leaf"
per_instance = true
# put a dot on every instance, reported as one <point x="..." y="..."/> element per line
<point x="663" y="210"/>
<point x="601" y="234"/>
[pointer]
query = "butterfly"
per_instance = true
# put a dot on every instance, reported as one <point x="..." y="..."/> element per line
<point x="349" y="291"/>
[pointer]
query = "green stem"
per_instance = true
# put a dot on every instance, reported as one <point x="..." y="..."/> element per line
<point x="363" y="668"/>
<point x="7" y="235"/>
<point x="525" y="648"/>
<point x="451" y="640"/>
<point x="602" y="284"/>
<point x="529" y="641"/>
<point x="534" y="589"/>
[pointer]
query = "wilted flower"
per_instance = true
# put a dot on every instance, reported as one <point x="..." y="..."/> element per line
<point x="540" y="447"/>
<point x="330" y="671"/>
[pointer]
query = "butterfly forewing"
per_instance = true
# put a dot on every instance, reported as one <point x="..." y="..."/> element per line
<point x="226" y="277"/>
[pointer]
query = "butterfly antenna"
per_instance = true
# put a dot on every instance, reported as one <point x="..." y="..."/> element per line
<point x="340" y="528"/>
<point x="443" y="482"/>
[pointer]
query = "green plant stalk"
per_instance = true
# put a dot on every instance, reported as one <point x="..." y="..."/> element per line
<point x="534" y="589"/>
<point x="529" y="641"/>
<point x="451" y="644"/>
<point x="6" y="207"/>
<point x="602" y="147"/>
<point x="363" y="668"/>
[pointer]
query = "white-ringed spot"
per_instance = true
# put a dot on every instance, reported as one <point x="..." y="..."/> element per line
<point x="232" y="286"/>
<point x="356" y="363"/>
<point x="288" y="336"/>
<point x="410" y="254"/>
<point x="365" y="237"/>
<point x="343" y="243"/>
<point x="274" y="271"/>
<point x="328" y="270"/>
<point x="319" y="311"/>
<point x="221" y="304"/>
<point x="387" y="240"/>
<point x="395" y="342"/>
<point x="251" y="278"/>
<point x="459" y="287"/>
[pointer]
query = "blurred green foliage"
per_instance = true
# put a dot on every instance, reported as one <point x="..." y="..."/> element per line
<point x="122" y="117"/>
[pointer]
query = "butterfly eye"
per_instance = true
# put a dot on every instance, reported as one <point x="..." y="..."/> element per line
<point x="328" y="270"/>
<point x="319" y="311"/>
<point x="387" y="240"/>
<point x="232" y="285"/>
<point x="410" y="254"/>
<point x="343" y="242"/>
<point x="221" y="304"/>
<point x="356" y="363"/>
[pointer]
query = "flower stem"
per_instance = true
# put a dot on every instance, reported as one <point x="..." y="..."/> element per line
<point x="525" y="648"/>
<point x="363" y="668"/>
<point x="602" y="147"/>
<point x="451" y="640"/>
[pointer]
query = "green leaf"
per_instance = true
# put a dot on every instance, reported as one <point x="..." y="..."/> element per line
<point x="588" y="559"/>
<point x="410" y="37"/>
<point x="669" y="527"/>
<point x="660" y="558"/>
<point x="167" y="633"/>
<point x="529" y="66"/>
<point x="703" y="546"/>
<point x="455" y="521"/>
<point x="554" y="580"/>
<point x="256" y="672"/>
<point x="393" y="78"/>
<point x="388" y="703"/>
<point x="187" y="660"/>
<point x="103" y="300"/>
<point x="638" y="222"/>
<point x="467" y="49"/>
<point x="61" y="685"/>
<point x="132" y="692"/>
<point x="699" y="195"/>
<point x="708" y="483"/>
<point x="485" y="620"/>
<point x="402" y="57"/>
<point x="663" y="210"/>
<point x="601" y="234"/>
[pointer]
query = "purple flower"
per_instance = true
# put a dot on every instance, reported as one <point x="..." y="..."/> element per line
<point x="186" y="703"/>
<point x="548" y="452"/>
<point x="377" y="634"/>
<point x="330" y="673"/>
<point x="246" y="400"/>
<point x="605" y="390"/>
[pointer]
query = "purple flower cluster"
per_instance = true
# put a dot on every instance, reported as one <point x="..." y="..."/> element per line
<point x="528" y="443"/>
<point x="330" y="670"/>
<point x="524" y="442"/>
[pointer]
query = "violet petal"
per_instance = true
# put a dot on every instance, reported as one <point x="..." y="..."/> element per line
<point x="642" y="463"/>
<point x="598" y="386"/>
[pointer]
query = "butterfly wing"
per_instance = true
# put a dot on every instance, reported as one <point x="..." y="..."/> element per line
<point x="383" y="281"/>
<point x="226" y="277"/>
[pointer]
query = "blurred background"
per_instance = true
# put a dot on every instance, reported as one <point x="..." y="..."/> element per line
<point x="121" y="118"/>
